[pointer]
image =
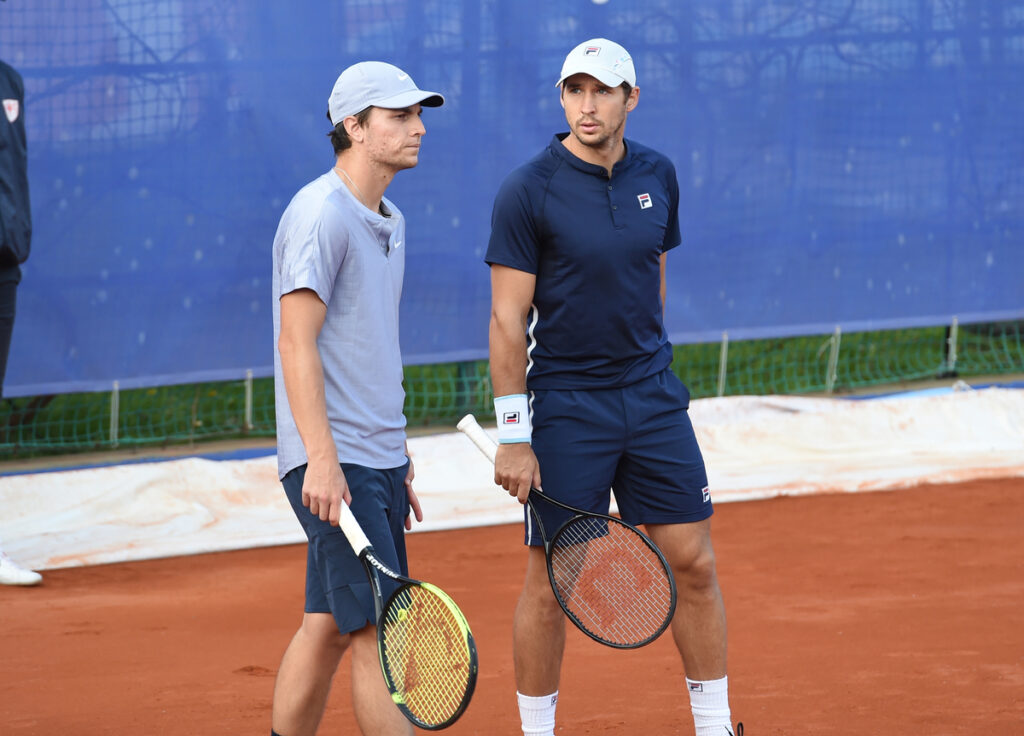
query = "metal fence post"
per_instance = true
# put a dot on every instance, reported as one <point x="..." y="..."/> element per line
<point x="723" y="358"/>
<point x="248" y="400"/>
<point x="951" y="346"/>
<point x="833" y="361"/>
<point x="115" y="410"/>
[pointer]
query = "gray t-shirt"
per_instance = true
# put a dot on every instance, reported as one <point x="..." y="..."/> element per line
<point x="354" y="260"/>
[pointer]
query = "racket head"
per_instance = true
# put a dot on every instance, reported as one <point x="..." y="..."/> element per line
<point x="611" y="580"/>
<point x="428" y="655"/>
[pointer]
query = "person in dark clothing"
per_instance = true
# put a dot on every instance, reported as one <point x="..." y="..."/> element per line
<point x="15" y="217"/>
<point x="15" y="240"/>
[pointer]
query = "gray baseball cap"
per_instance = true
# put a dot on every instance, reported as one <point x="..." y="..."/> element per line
<point x="604" y="60"/>
<point x="376" y="84"/>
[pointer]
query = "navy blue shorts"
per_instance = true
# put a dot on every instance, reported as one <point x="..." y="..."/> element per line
<point x="336" y="581"/>
<point x="636" y="440"/>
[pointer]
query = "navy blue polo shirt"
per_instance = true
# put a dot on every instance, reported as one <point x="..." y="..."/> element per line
<point x="594" y="243"/>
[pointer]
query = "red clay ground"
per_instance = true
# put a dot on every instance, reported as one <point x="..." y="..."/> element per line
<point x="874" y="613"/>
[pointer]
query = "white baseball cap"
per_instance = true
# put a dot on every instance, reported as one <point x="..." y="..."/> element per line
<point x="604" y="60"/>
<point x="376" y="84"/>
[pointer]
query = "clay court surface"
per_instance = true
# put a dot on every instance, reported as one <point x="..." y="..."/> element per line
<point x="872" y="613"/>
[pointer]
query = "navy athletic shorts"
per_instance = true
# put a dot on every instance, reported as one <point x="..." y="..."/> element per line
<point x="636" y="440"/>
<point x="336" y="581"/>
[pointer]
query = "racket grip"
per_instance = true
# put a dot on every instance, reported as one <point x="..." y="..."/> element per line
<point x="469" y="426"/>
<point x="353" y="532"/>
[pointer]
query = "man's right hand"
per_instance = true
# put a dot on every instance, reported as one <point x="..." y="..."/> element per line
<point x="516" y="469"/>
<point x="324" y="489"/>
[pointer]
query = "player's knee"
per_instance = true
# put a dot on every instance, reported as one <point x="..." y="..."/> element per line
<point x="697" y="571"/>
<point x="365" y="638"/>
<point x="539" y="600"/>
<point x="322" y="631"/>
<point x="364" y="645"/>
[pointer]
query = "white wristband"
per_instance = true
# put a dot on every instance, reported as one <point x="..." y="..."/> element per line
<point x="513" y="415"/>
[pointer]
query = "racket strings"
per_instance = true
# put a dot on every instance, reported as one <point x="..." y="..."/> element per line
<point x="426" y="654"/>
<point x="611" y="581"/>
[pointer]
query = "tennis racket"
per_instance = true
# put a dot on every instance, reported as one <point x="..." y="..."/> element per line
<point x="611" y="580"/>
<point x="426" y="649"/>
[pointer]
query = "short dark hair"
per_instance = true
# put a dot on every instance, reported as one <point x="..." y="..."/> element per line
<point x="339" y="136"/>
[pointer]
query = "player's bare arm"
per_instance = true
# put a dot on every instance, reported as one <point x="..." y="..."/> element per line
<point x="414" y="501"/>
<point x="324" y="486"/>
<point x="664" y="288"/>
<point x="515" y="467"/>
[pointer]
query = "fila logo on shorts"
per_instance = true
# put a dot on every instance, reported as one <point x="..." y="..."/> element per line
<point x="11" y="108"/>
<point x="705" y="493"/>
<point x="510" y="417"/>
<point x="645" y="201"/>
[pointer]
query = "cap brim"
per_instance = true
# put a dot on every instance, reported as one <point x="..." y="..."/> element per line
<point x="409" y="98"/>
<point x="601" y="75"/>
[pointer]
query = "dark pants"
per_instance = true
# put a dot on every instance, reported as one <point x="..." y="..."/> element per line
<point x="637" y="439"/>
<point x="8" y="293"/>
<point x="336" y="582"/>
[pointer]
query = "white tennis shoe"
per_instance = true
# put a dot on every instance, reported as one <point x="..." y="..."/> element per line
<point x="12" y="574"/>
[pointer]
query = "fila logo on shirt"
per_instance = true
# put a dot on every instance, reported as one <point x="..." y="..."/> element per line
<point x="645" y="201"/>
<point x="510" y="417"/>
<point x="11" y="108"/>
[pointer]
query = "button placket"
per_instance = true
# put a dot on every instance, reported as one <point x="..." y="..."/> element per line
<point x="612" y="205"/>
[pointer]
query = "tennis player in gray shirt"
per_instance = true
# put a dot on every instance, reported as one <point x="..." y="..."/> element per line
<point x="339" y="261"/>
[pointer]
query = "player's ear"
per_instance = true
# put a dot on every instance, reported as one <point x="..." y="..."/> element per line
<point x="353" y="128"/>
<point x="561" y="95"/>
<point x="632" y="99"/>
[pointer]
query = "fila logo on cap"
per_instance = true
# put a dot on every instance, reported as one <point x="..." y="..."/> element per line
<point x="592" y="51"/>
<point x="645" y="201"/>
<point x="510" y="417"/>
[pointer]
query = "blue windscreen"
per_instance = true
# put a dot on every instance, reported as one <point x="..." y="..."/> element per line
<point x="841" y="163"/>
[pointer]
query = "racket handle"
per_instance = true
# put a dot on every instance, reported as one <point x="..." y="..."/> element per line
<point x="469" y="426"/>
<point x="353" y="532"/>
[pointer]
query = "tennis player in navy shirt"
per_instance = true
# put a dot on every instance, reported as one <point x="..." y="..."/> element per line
<point x="580" y="368"/>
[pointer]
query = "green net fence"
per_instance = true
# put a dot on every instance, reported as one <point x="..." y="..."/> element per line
<point x="438" y="395"/>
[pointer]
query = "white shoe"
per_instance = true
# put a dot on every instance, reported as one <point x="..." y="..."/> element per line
<point x="12" y="574"/>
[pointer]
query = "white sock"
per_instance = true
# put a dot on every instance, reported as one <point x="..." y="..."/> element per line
<point x="709" y="702"/>
<point x="538" y="714"/>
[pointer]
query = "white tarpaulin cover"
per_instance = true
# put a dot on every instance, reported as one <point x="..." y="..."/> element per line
<point x="754" y="447"/>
